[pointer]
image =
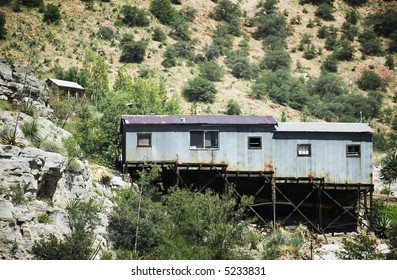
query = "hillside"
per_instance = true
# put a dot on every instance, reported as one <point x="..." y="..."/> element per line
<point x="65" y="45"/>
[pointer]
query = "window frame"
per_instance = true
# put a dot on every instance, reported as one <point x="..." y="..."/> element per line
<point x="298" y="151"/>
<point x="140" y="136"/>
<point x="204" y="147"/>
<point x="353" y="154"/>
<point x="250" y="147"/>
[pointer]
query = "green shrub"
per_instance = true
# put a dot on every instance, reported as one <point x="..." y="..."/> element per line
<point x="72" y="147"/>
<point x="44" y="218"/>
<point x="356" y="2"/>
<point x="18" y="194"/>
<point x="134" y="16"/>
<point x="323" y="32"/>
<point x="3" y="30"/>
<point x="31" y="130"/>
<point x="385" y="24"/>
<point x="170" y="56"/>
<point x="105" y="33"/>
<point x="362" y="248"/>
<point x="327" y="84"/>
<point x="181" y="30"/>
<point x="51" y="14"/>
<point x="32" y="3"/>
<point x="350" y="31"/>
<point x="325" y="11"/>
<point x="73" y="166"/>
<point x="211" y="52"/>
<point x="369" y="80"/>
<point x="331" y="42"/>
<point x="211" y="71"/>
<point x="133" y="52"/>
<point x="276" y="59"/>
<point x="344" y="50"/>
<point x="222" y="39"/>
<point x="392" y="46"/>
<point x="52" y="146"/>
<point x="163" y="11"/>
<point x="275" y="25"/>
<point x="370" y="43"/>
<point x="330" y="64"/>
<point x="352" y="17"/>
<point x="16" y="6"/>
<point x="309" y="52"/>
<point x="199" y="89"/>
<point x="233" y="108"/>
<point x="389" y="62"/>
<point x="159" y="35"/>
<point x="241" y="67"/>
<point x="274" y="42"/>
<point x="227" y="11"/>
<point x="281" y="87"/>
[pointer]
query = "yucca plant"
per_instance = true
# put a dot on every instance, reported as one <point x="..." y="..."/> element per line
<point x="44" y="218"/>
<point x="11" y="136"/>
<point x="31" y="130"/>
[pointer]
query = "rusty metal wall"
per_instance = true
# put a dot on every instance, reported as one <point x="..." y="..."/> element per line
<point x="172" y="143"/>
<point x="328" y="157"/>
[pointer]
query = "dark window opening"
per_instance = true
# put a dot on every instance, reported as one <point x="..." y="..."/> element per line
<point x="254" y="143"/>
<point x="304" y="150"/>
<point x="144" y="139"/>
<point x="204" y="139"/>
<point x="353" y="150"/>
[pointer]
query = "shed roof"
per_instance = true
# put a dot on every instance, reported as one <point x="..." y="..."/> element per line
<point x="198" y="119"/>
<point x="323" y="127"/>
<point x="67" y="84"/>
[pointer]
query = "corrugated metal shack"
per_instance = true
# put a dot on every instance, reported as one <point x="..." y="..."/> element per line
<point x="319" y="174"/>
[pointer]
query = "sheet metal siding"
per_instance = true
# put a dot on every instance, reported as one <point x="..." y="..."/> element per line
<point x="328" y="157"/>
<point x="174" y="143"/>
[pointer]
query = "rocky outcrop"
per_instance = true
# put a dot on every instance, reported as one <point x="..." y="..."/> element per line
<point x="14" y="78"/>
<point x="34" y="182"/>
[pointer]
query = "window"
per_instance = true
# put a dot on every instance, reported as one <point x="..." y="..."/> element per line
<point x="144" y="139"/>
<point x="304" y="150"/>
<point x="353" y="150"/>
<point x="201" y="139"/>
<point x="254" y="142"/>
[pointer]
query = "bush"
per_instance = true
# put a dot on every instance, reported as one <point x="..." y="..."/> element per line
<point x="180" y="30"/>
<point x="326" y="85"/>
<point x="31" y="130"/>
<point x="393" y="42"/>
<point x="16" y="6"/>
<point x="211" y="52"/>
<point x="227" y="11"/>
<point x="163" y="11"/>
<point x="133" y="52"/>
<point x="241" y="67"/>
<point x="211" y="71"/>
<point x="222" y="39"/>
<point x="356" y="2"/>
<point x="51" y="14"/>
<point x="159" y="35"/>
<point x="369" y="80"/>
<point x="44" y="218"/>
<point x="52" y="146"/>
<point x="105" y="33"/>
<point x="281" y="87"/>
<point x="370" y="43"/>
<point x="330" y="64"/>
<point x="134" y="16"/>
<point x="362" y="248"/>
<point x="389" y="62"/>
<point x="325" y="11"/>
<point x="349" y="31"/>
<point x="170" y="57"/>
<point x="274" y="42"/>
<point x="344" y="51"/>
<point x="276" y="59"/>
<point x="275" y="25"/>
<point x="385" y="24"/>
<point x="233" y="108"/>
<point x="199" y="89"/>
<point x="32" y="3"/>
<point x="3" y="30"/>
<point x="352" y="17"/>
<point x="309" y="52"/>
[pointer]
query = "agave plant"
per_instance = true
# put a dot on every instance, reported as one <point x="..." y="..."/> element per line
<point x="11" y="136"/>
<point x="382" y="225"/>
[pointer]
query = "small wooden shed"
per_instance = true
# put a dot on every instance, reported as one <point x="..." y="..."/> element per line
<point x="66" y="87"/>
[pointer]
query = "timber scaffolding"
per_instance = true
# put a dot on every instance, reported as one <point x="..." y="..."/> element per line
<point x="324" y="207"/>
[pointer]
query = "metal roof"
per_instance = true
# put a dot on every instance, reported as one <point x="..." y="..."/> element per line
<point x="323" y="127"/>
<point x="198" y="119"/>
<point x="68" y="84"/>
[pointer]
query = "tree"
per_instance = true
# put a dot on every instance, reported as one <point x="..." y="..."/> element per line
<point x="134" y="16"/>
<point x="233" y="108"/>
<point x="133" y="52"/>
<point x="369" y="80"/>
<point x="51" y="14"/>
<point x="199" y="89"/>
<point x="3" y="30"/>
<point x="276" y="59"/>
<point x="211" y="71"/>
<point x="163" y="11"/>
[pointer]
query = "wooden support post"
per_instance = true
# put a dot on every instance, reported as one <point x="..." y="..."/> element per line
<point x="371" y="209"/>
<point x="274" y="201"/>
<point x="320" y="207"/>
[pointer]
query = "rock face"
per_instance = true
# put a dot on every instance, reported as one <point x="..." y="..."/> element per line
<point x="34" y="182"/>
<point x="14" y="78"/>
